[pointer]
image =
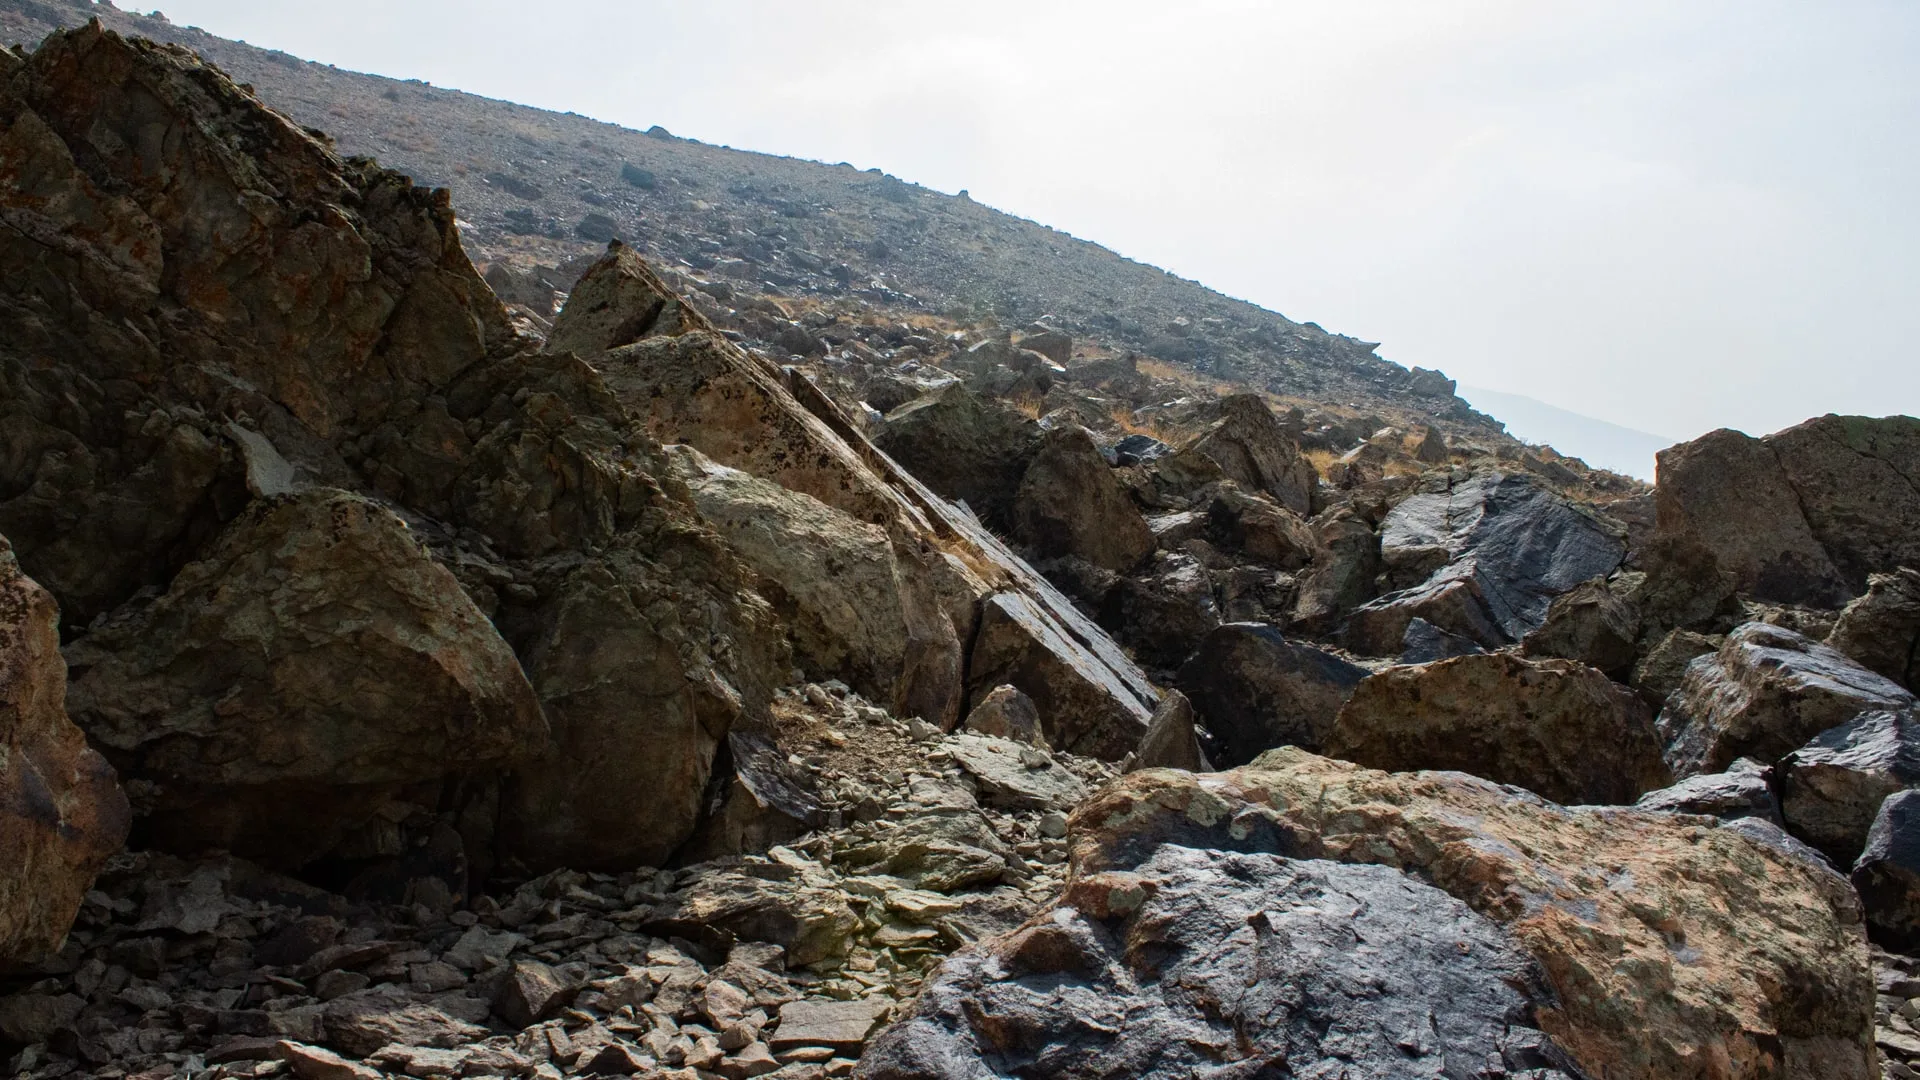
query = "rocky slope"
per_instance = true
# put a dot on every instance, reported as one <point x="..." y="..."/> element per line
<point x="682" y="680"/>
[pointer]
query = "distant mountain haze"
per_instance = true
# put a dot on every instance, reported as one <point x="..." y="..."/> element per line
<point x="1597" y="442"/>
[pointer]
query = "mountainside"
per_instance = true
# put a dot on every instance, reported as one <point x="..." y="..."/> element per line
<point x="536" y="187"/>
<point x="1597" y="442"/>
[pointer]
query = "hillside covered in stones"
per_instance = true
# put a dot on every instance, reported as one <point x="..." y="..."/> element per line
<point x="410" y="671"/>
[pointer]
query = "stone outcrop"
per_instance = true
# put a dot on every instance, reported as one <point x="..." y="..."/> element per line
<point x="1744" y="790"/>
<point x="1069" y="503"/>
<point x="963" y="447"/>
<point x="1247" y="445"/>
<point x="1831" y="788"/>
<point x="1254" y="690"/>
<point x="62" y="812"/>
<point x="1763" y="694"/>
<point x="1880" y="629"/>
<point x="1554" y="727"/>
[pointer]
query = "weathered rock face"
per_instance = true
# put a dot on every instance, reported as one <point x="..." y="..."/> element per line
<point x="1256" y="690"/>
<point x="1742" y="791"/>
<point x="1341" y="579"/>
<point x="1887" y="874"/>
<point x="1069" y="503"/>
<point x="1662" y="669"/>
<point x="1248" y="445"/>
<point x="1591" y="625"/>
<point x="1831" y="788"/>
<point x="313" y="645"/>
<point x="1006" y="713"/>
<point x="963" y="447"/>
<point x="62" y="813"/>
<point x="1881" y="629"/>
<point x="1084" y="707"/>
<point x="1172" y="740"/>
<point x="1207" y="962"/>
<point x="1554" y="727"/>
<point x="1508" y="545"/>
<point x="1762" y="694"/>
<point x="1670" y="948"/>
<point x="1803" y="515"/>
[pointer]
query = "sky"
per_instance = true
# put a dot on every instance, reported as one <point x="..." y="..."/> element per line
<point x="1669" y="216"/>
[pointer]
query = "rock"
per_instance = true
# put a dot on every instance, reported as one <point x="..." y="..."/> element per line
<point x="1554" y="727"/>
<point x="1255" y="690"/>
<point x="313" y="648"/>
<point x="1055" y="345"/>
<point x="1166" y="609"/>
<point x="1591" y="625"/>
<point x="941" y="850"/>
<point x="1424" y="643"/>
<point x="1006" y="713"/>
<point x="1139" y="449"/>
<point x="1253" y="526"/>
<point x="768" y="800"/>
<point x="62" y="813"/>
<point x="1664" y="942"/>
<point x="963" y="447"/>
<point x="1172" y="740"/>
<point x="364" y="1022"/>
<point x="1662" y="669"/>
<point x="531" y="992"/>
<point x="1764" y="693"/>
<point x="1430" y="447"/>
<point x="1014" y="776"/>
<point x="1742" y="791"/>
<point x="1069" y="503"/>
<point x="802" y="913"/>
<point x="1342" y="578"/>
<point x="617" y="302"/>
<point x="318" y="1063"/>
<point x="1233" y="964"/>
<point x="1248" y="445"/>
<point x="1887" y="874"/>
<point x="1510" y="545"/>
<point x="1831" y="788"/>
<point x="27" y="1018"/>
<point x="1858" y="481"/>
<point x="838" y="1025"/>
<point x="1085" y="708"/>
<point x="1881" y="629"/>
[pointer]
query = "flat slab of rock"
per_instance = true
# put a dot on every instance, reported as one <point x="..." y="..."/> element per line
<point x="1015" y="776"/>
<point x="839" y="1025"/>
<point x="1763" y="694"/>
<point x="1742" y="791"/>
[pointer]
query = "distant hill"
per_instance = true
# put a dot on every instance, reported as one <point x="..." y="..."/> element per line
<point x="1597" y="442"/>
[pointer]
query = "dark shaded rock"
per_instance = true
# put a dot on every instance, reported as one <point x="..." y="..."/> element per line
<point x="1166" y="609"/>
<point x="364" y="1022"/>
<point x="531" y="992"/>
<point x="1554" y="727"/>
<point x="1742" y="791"/>
<point x="1220" y="961"/>
<point x="1661" y="670"/>
<point x="1887" y="874"/>
<point x="1763" y="694"/>
<point x="1008" y="714"/>
<point x="1084" y="707"/>
<point x="1171" y="742"/>
<point x="1424" y="643"/>
<point x="963" y="447"/>
<point x="597" y="227"/>
<point x="1831" y="788"/>
<point x="1452" y="602"/>
<point x="1255" y="690"/>
<point x="1430" y="446"/>
<point x="1069" y="503"/>
<point x="1249" y="446"/>
<point x="1591" y="625"/>
<point x="763" y="800"/>
<point x="1139" y="450"/>
<point x="1858" y="481"/>
<point x="1255" y="527"/>
<point x="1343" y="577"/>
<point x="1881" y="629"/>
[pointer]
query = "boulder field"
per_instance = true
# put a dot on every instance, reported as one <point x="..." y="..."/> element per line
<point x="398" y="678"/>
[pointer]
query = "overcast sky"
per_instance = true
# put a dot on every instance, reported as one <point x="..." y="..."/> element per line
<point x="1673" y="216"/>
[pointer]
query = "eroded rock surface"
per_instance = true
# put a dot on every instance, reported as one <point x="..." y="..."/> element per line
<point x="1255" y="690"/>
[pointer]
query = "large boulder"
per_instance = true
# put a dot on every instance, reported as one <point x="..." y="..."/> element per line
<point x="1804" y="515"/>
<point x="1764" y="693"/>
<point x="1069" y="503"/>
<point x="964" y="447"/>
<point x="1248" y="445"/>
<point x="1881" y="629"/>
<point x="62" y="812"/>
<point x="1592" y="625"/>
<point x="1507" y="544"/>
<point x="1084" y="707"/>
<point x="1343" y="571"/>
<point x="1887" y="874"/>
<point x="1219" y="963"/>
<point x="1554" y="727"/>
<point x="1255" y="689"/>
<point x="1671" y="948"/>
<point x="1831" y="788"/>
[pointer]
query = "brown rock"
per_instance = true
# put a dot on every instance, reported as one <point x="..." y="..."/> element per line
<point x="318" y="1063"/>
<point x="1085" y="707"/>
<point x="1008" y="714"/>
<point x="1557" y="728"/>
<point x="839" y="1025"/>
<point x="1591" y="625"/>
<point x="963" y="447"/>
<point x="531" y="992"/>
<point x="1172" y="739"/>
<point x="1069" y="503"/>
<point x="1659" y="672"/>
<point x="1248" y="445"/>
<point x="1255" y="689"/>
<point x="1881" y="629"/>
<point x="612" y="307"/>
<point x="362" y="1023"/>
<point x="61" y="811"/>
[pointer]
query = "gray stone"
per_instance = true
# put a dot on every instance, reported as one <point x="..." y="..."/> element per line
<point x="1831" y="788"/>
<point x="1069" y="503"/>
<point x="1887" y="874"/>
<point x="1255" y="690"/>
<point x="1172" y="740"/>
<point x="839" y="1025"/>
<point x="1006" y="713"/>
<point x="1424" y="643"/>
<point x="1741" y="791"/>
<point x="1016" y="777"/>
<point x="1591" y="625"/>
<point x="1881" y="629"/>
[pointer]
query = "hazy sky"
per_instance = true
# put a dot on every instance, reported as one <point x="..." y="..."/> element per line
<point x="1674" y="216"/>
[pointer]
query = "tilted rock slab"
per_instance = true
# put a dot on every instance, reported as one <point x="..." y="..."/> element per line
<point x="1670" y="947"/>
<point x="62" y="812"/>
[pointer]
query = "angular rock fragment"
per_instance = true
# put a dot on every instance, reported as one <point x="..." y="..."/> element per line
<point x="1068" y="503"/>
<point x="1255" y="690"/>
<point x="1831" y="788"/>
<point x="1591" y="625"/>
<point x="1016" y="777"/>
<point x="1084" y="706"/>
<point x="838" y="1025"/>
<point x="1881" y="629"/>
<point x="1172" y="740"/>
<point x="1006" y="713"/>
<point x="1887" y="874"/>
<point x="1742" y="791"/>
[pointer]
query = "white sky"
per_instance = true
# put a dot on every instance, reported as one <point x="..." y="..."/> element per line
<point x="1671" y="215"/>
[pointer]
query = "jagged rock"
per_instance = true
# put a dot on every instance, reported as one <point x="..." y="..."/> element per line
<point x="1068" y="503"/>
<point x="319" y="1063"/>
<point x="1554" y="727"/>
<point x="1256" y="528"/>
<point x="1166" y="609"/>
<point x="313" y="648"/>
<point x="1511" y="546"/>
<point x="1139" y="449"/>
<point x="364" y="1022"/>
<point x="1172" y="740"/>
<point x="1887" y="874"/>
<point x="1831" y="788"/>
<point x="1742" y="791"/>
<point x="1247" y="445"/>
<point x="1423" y="643"/>
<point x="62" y="812"/>
<point x="27" y="1018"/>
<point x="1430" y="447"/>
<point x="1665" y="943"/>
<point x="1055" y="345"/>
<point x="607" y="310"/>
<point x="1662" y="669"/>
<point x="1008" y="714"/>
<point x="1255" y="690"/>
<point x="767" y="800"/>
<point x="963" y="447"/>
<point x="1591" y="625"/>
<point x="1858" y="481"/>
<point x="1765" y="692"/>
<point x="530" y="992"/>
<point x="942" y="850"/>
<point x="795" y="908"/>
<point x="1881" y="629"/>
<point x="1342" y="578"/>
<point x="1219" y="963"/>
<point x="1084" y="708"/>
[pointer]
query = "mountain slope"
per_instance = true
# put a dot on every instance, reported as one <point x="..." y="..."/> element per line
<point x="1599" y="443"/>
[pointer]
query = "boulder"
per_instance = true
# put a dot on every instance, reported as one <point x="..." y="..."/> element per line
<point x="1670" y="947"/>
<point x="1249" y="446"/>
<point x="963" y="447"/>
<point x="1831" y="788"/>
<point x="1166" y="609"/>
<point x="1661" y="670"/>
<point x="1744" y="790"/>
<point x="1554" y="727"/>
<point x="1172" y="740"/>
<point x="1452" y="602"/>
<point x="1430" y="446"/>
<point x="314" y="649"/>
<point x="1765" y="692"/>
<point x="1591" y="625"/>
<point x="1207" y="962"/>
<point x="1343" y="571"/>
<point x="1014" y="776"/>
<point x="1423" y="643"/>
<point x="1069" y="503"/>
<point x="1881" y="629"/>
<point x="1055" y="345"/>
<point x="62" y="813"/>
<point x="608" y="308"/>
<point x="1085" y="708"/>
<point x="1255" y="527"/>
<point x="1255" y="690"/>
<point x="1008" y="714"/>
<point x="1887" y="874"/>
<point x="1858" y="480"/>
